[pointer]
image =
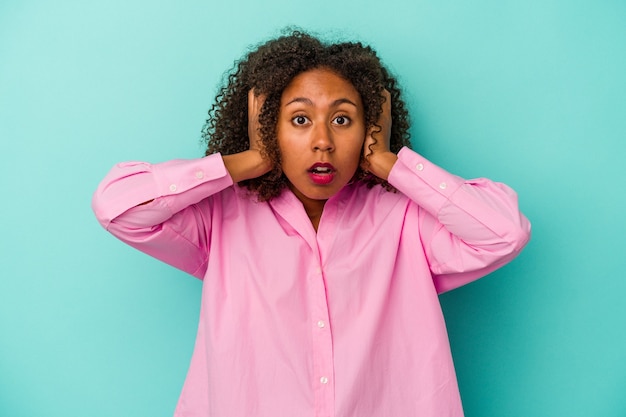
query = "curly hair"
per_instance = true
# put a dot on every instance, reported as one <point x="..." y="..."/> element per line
<point x="268" y="70"/>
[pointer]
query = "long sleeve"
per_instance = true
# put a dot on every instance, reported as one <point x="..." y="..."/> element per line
<point x="468" y="227"/>
<point x="173" y="225"/>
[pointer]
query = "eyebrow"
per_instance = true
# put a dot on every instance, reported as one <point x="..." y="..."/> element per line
<point x="308" y="102"/>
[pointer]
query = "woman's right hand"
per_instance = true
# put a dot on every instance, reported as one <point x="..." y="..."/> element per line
<point x="251" y="163"/>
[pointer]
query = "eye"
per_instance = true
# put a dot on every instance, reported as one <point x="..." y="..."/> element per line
<point x="341" y="120"/>
<point x="300" y="120"/>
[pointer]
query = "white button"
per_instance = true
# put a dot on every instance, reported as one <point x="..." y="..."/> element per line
<point x="419" y="167"/>
<point x="173" y="187"/>
<point x="324" y="380"/>
<point x="199" y="175"/>
<point x="443" y="185"/>
<point x="321" y="324"/>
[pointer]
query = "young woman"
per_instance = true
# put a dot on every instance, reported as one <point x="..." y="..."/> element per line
<point x="322" y="239"/>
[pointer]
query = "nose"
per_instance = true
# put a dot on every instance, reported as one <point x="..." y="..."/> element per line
<point x="323" y="139"/>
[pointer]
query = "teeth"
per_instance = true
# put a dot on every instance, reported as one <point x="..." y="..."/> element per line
<point x="322" y="170"/>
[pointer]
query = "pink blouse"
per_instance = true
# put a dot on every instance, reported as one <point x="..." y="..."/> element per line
<point x="343" y="322"/>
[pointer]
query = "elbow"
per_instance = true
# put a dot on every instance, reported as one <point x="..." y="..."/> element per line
<point x="519" y="235"/>
<point x="99" y="207"/>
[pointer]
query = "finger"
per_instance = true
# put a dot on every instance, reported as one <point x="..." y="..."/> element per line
<point x="251" y="102"/>
<point x="385" y="119"/>
<point x="387" y="103"/>
<point x="251" y="114"/>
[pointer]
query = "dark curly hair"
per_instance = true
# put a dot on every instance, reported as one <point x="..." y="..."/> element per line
<point x="269" y="69"/>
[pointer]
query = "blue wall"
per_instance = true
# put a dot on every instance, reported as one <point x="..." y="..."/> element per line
<point x="531" y="93"/>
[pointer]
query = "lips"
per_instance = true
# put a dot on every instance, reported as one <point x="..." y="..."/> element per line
<point x="321" y="173"/>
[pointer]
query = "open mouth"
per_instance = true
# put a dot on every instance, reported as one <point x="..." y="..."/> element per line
<point x="322" y="173"/>
<point x="321" y="170"/>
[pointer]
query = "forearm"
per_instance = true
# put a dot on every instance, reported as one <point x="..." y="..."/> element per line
<point x="480" y="213"/>
<point x="246" y="165"/>
<point x="179" y="182"/>
<point x="381" y="163"/>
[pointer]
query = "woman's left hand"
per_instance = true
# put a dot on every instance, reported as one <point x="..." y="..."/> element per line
<point x="378" y="159"/>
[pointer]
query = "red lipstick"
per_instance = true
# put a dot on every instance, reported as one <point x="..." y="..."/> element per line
<point x="322" y="173"/>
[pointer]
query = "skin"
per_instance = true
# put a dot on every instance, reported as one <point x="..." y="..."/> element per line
<point x="320" y="120"/>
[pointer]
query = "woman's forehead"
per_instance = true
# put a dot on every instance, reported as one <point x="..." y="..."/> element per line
<point x="320" y="86"/>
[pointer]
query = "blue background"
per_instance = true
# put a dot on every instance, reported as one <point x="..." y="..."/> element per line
<point x="531" y="93"/>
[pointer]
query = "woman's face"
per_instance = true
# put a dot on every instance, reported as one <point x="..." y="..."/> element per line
<point x="320" y="131"/>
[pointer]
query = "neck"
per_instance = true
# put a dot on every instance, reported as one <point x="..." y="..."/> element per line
<point x="312" y="207"/>
<point x="315" y="218"/>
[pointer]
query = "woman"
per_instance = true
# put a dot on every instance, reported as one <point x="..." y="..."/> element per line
<point x="322" y="239"/>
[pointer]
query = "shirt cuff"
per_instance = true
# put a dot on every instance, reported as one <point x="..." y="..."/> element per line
<point x="180" y="175"/>
<point x="186" y="182"/>
<point x="427" y="184"/>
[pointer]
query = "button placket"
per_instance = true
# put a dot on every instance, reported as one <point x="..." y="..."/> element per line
<point x="322" y="344"/>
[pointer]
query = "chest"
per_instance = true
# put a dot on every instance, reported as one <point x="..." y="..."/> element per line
<point x="357" y="241"/>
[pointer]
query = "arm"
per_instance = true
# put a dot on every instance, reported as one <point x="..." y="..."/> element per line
<point x="468" y="227"/>
<point x="163" y="209"/>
